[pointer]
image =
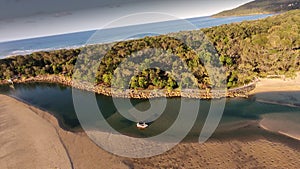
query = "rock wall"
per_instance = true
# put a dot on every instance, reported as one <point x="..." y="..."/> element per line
<point x="140" y="94"/>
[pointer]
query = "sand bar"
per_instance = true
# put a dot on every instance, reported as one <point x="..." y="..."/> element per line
<point x="284" y="92"/>
<point x="27" y="140"/>
<point x="284" y="123"/>
<point x="31" y="138"/>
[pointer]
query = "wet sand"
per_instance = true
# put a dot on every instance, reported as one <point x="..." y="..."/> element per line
<point x="31" y="138"/>
<point x="278" y="91"/>
<point x="284" y="92"/>
<point x="27" y="140"/>
<point x="231" y="154"/>
<point x="283" y="123"/>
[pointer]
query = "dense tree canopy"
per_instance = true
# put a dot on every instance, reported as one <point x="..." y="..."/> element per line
<point x="259" y="48"/>
<point x="246" y="50"/>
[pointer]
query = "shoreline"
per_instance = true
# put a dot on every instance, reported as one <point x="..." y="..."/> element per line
<point x="218" y="15"/>
<point x="23" y="129"/>
<point x="214" y="153"/>
<point x="284" y="92"/>
<point x="277" y="103"/>
<point x="264" y="127"/>
<point x="40" y="142"/>
<point x="265" y="85"/>
<point x="139" y="94"/>
<point x="38" y="111"/>
<point x="289" y="135"/>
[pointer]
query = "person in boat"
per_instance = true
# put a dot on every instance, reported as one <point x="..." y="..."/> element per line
<point x="141" y="125"/>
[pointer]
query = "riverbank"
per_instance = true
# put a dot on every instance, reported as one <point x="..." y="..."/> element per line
<point x="138" y="94"/>
<point x="277" y="85"/>
<point x="278" y="91"/>
<point x="284" y="92"/>
<point x="31" y="138"/>
<point x="283" y="123"/>
<point x="24" y="142"/>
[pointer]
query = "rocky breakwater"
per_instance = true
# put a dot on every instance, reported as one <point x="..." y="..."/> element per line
<point x="241" y="91"/>
<point x="141" y="93"/>
<point x="45" y="78"/>
<point x="158" y="93"/>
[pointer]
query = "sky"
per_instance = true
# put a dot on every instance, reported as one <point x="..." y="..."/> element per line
<point x="22" y="19"/>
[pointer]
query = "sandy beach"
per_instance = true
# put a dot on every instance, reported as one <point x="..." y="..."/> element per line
<point x="284" y="92"/>
<point x="31" y="138"/>
<point x="277" y="85"/>
<point x="27" y="140"/>
<point x="283" y="123"/>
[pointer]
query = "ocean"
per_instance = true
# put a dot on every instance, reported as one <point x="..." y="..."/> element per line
<point x="74" y="40"/>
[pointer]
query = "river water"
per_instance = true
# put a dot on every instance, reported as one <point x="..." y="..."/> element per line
<point x="57" y="99"/>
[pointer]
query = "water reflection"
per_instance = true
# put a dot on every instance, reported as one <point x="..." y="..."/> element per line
<point x="57" y="99"/>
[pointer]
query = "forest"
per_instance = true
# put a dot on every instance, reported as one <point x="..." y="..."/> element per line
<point x="239" y="51"/>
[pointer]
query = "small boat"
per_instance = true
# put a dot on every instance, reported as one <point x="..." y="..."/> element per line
<point x="10" y="81"/>
<point x="141" y="125"/>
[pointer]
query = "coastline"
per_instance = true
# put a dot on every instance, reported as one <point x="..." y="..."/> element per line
<point x="41" y="112"/>
<point x="277" y="85"/>
<point x="77" y="149"/>
<point x="284" y="92"/>
<point x="249" y="151"/>
<point x="257" y="89"/>
<point x="139" y="94"/>
<point x="35" y="140"/>
<point x="219" y="15"/>
<point x="278" y="91"/>
<point x="282" y="123"/>
<point x="28" y="134"/>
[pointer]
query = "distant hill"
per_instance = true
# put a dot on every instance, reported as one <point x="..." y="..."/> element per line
<point x="247" y="50"/>
<point x="261" y="7"/>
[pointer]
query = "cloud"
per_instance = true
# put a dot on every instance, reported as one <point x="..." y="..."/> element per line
<point x="22" y="19"/>
<point x="27" y="8"/>
<point x="62" y="14"/>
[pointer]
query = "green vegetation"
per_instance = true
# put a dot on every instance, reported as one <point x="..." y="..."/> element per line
<point x="246" y="50"/>
<point x="259" y="48"/>
<point x="262" y="7"/>
<point x="39" y="63"/>
<point x="157" y="62"/>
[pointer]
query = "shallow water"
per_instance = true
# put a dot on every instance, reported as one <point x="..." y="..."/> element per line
<point x="57" y="99"/>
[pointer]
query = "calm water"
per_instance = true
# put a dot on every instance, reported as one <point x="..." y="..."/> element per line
<point x="57" y="99"/>
<point x="109" y="35"/>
